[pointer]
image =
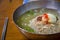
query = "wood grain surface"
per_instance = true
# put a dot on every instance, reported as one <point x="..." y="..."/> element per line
<point x="7" y="8"/>
<point x="1" y="26"/>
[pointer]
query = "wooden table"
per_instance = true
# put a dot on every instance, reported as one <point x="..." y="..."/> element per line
<point x="7" y="9"/>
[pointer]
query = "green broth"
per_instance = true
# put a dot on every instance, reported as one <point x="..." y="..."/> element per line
<point x="23" y="20"/>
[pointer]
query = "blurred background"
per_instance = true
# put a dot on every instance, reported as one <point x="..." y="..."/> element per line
<point x="7" y="8"/>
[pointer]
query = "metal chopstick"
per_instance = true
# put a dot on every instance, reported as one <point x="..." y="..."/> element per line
<point x="4" y="29"/>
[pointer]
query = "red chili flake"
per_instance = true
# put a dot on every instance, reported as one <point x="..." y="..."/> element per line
<point x="39" y="18"/>
<point x="46" y="17"/>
